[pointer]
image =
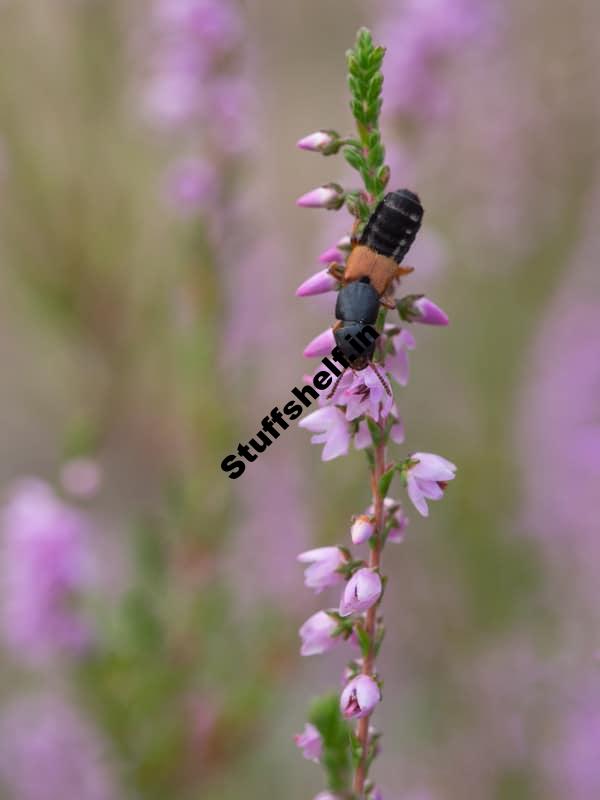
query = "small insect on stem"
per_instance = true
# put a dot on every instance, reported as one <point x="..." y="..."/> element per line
<point x="370" y="275"/>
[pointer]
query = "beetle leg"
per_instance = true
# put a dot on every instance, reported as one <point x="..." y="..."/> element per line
<point x="336" y="271"/>
<point x="382" y="381"/>
<point x="335" y="385"/>
<point x="388" y="302"/>
<point x="400" y="271"/>
<point x="338" y="325"/>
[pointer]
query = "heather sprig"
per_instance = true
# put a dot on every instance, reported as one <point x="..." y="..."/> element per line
<point x="361" y="409"/>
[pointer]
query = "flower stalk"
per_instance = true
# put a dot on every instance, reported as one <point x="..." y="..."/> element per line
<point x="360" y="409"/>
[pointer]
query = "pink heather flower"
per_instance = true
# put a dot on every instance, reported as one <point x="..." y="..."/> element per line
<point x="397" y="432"/>
<point x="362" y="529"/>
<point x="191" y="184"/>
<point x="321" y="345"/>
<point x="332" y="430"/>
<point x="398" y="529"/>
<point x="429" y="313"/>
<point x="317" y="634"/>
<point x="310" y="742"/>
<point x="426" y="479"/>
<point x="359" y="697"/>
<point x="317" y="142"/>
<point x="333" y="255"/>
<point x="361" y="592"/>
<point x="362" y="437"/>
<point x="394" y="513"/>
<point x="324" y="563"/>
<point x="48" y="751"/>
<point x="363" y="393"/>
<point x="396" y="363"/>
<point x="46" y="565"/>
<point x="330" y="196"/>
<point x="326" y="796"/>
<point x="319" y="283"/>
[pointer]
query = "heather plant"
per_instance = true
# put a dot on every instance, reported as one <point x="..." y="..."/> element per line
<point x="361" y="411"/>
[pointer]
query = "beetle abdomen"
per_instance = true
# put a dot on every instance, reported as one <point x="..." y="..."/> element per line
<point x="357" y="302"/>
<point x="393" y="225"/>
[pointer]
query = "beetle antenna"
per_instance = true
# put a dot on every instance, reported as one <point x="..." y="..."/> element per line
<point x="335" y="385"/>
<point x="381" y="379"/>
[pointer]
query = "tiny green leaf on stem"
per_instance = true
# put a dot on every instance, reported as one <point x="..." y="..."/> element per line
<point x="385" y="481"/>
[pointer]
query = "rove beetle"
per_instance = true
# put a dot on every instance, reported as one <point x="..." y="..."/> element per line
<point x="370" y="274"/>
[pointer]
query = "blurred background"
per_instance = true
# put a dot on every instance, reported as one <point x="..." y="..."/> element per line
<point x="150" y="247"/>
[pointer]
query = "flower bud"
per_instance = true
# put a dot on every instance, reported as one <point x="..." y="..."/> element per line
<point x="418" y="308"/>
<point x="332" y="255"/>
<point x="430" y="314"/>
<point x="345" y="243"/>
<point x="330" y="196"/>
<point x="310" y="742"/>
<point x="360" y="697"/>
<point x="321" y="345"/>
<point x="326" y="142"/>
<point x="317" y="634"/>
<point x="319" y="283"/>
<point x="361" y="592"/>
<point x="362" y="529"/>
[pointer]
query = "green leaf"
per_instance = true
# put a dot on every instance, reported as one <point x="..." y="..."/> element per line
<point x="363" y="640"/>
<point x="385" y="481"/>
<point x="375" y="431"/>
<point x="354" y="158"/>
<point x="327" y="718"/>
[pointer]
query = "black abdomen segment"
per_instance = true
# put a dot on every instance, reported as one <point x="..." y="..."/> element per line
<point x="393" y="225"/>
<point x="357" y="302"/>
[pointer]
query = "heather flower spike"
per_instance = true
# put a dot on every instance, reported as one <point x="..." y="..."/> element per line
<point x="360" y="409"/>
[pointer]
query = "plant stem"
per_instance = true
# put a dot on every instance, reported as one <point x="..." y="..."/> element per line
<point x="362" y="731"/>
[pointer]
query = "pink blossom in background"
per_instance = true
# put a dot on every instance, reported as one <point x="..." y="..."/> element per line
<point x="573" y="757"/>
<point x="310" y="742"/>
<point x="81" y="477"/>
<point x="46" y="565"/>
<point x="189" y="38"/>
<point x="48" y="751"/>
<point x="422" y="35"/>
<point x="557" y="434"/>
<point x="191" y="185"/>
